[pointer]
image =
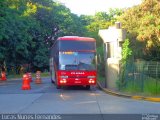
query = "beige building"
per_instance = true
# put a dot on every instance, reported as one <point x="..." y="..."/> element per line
<point x="113" y="38"/>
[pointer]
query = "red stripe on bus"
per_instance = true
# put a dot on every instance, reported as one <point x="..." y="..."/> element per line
<point x="77" y="38"/>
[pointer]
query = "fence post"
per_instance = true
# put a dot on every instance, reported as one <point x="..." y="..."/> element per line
<point x="142" y="77"/>
<point x="157" y="78"/>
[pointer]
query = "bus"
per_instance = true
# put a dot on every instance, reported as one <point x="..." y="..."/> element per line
<point x="73" y="62"/>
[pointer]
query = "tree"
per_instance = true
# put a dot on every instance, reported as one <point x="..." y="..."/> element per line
<point x="101" y="20"/>
<point x="143" y="23"/>
<point x="24" y="25"/>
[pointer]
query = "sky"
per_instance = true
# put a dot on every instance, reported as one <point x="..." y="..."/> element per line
<point x="90" y="7"/>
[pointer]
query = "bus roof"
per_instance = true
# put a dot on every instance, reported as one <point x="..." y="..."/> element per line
<point x="76" y="38"/>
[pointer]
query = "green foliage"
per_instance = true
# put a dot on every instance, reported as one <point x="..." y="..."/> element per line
<point x="101" y="62"/>
<point x="126" y="51"/>
<point x="142" y="22"/>
<point x="19" y="76"/>
<point x="149" y="87"/>
<point x="23" y="27"/>
<point x="101" y="20"/>
<point x="25" y="24"/>
<point x="126" y="55"/>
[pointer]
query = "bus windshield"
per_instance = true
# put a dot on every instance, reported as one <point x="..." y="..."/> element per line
<point x="76" y="61"/>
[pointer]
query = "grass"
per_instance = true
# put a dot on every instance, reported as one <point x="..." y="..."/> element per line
<point x="152" y="86"/>
<point x="17" y="76"/>
<point x="149" y="87"/>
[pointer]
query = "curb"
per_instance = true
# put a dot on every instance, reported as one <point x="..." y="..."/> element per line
<point x="152" y="99"/>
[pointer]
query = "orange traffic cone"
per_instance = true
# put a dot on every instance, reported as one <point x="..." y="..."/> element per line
<point x="30" y="76"/>
<point x="38" y="77"/>
<point x="3" y="76"/>
<point x="26" y="82"/>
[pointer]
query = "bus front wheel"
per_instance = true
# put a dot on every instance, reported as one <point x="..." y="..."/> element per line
<point x="88" y="87"/>
<point x="58" y="86"/>
<point x="52" y="81"/>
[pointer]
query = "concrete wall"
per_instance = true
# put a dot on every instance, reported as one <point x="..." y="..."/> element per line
<point x="112" y="72"/>
<point x="112" y="38"/>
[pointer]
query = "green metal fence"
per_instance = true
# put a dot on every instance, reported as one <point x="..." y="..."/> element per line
<point x="140" y="76"/>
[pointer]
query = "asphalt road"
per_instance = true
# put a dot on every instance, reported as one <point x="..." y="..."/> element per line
<point x="46" y="99"/>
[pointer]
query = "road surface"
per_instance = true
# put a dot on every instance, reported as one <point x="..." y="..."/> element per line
<point x="46" y="99"/>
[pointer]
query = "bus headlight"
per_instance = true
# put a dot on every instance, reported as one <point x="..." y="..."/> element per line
<point x="63" y="81"/>
<point x="91" y="81"/>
